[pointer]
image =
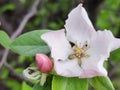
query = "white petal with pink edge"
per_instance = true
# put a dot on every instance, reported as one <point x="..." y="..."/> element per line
<point x="93" y="66"/>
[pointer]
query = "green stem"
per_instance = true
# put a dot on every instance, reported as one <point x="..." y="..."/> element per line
<point x="43" y="79"/>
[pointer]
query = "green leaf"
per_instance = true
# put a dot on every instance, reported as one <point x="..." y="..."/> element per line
<point x="6" y="7"/>
<point x="13" y="84"/>
<point x="63" y="83"/>
<point x="38" y="87"/>
<point x="25" y="86"/>
<point x="4" y="74"/>
<point x="30" y="43"/>
<point x="4" y="39"/>
<point x="101" y="83"/>
<point x="47" y="86"/>
<point x="115" y="55"/>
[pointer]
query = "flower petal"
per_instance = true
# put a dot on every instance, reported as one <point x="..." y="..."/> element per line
<point x="60" y="47"/>
<point x="68" y="68"/>
<point x="102" y="43"/>
<point x="93" y="66"/>
<point x="115" y="42"/>
<point x="78" y="26"/>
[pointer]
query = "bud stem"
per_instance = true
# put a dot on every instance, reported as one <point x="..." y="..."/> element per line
<point x="43" y="78"/>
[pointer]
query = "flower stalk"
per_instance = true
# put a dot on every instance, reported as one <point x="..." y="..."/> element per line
<point x="43" y="79"/>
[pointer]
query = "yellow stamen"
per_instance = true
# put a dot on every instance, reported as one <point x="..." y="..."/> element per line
<point x="78" y="53"/>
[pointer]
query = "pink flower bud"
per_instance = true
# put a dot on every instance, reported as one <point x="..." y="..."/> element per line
<point x="44" y="63"/>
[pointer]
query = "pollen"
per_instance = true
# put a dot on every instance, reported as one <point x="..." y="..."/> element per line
<point x="79" y="53"/>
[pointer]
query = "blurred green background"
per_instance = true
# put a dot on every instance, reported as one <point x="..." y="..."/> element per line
<point x="51" y="14"/>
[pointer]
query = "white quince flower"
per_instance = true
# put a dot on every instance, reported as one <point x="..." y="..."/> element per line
<point x="83" y="58"/>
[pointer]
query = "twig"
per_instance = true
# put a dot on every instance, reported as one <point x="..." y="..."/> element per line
<point x="18" y="31"/>
<point x="21" y="77"/>
<point x="31" y="13"/>
<point x="20" y="28"/>
<point x="4" y="58"/>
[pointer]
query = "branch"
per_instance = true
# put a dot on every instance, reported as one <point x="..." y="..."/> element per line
<point x="17" y="32"/>
<point x="4" y="58"/>
<point x="30" y="14"/>
<point x="20" y="28"/>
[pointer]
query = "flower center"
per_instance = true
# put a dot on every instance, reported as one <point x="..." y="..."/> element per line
<point x="79" y="53"/>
